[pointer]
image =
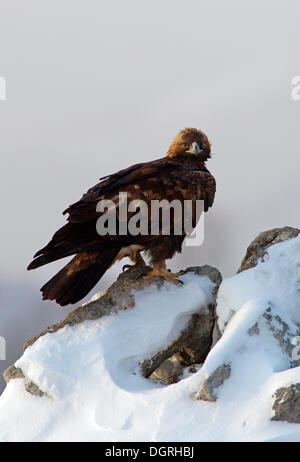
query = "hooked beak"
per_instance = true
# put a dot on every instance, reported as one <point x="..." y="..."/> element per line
<point x="194" y="148"/>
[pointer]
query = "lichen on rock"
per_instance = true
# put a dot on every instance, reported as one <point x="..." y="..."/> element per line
<point x="209" y="387"/>
<point x="287" y="404"/>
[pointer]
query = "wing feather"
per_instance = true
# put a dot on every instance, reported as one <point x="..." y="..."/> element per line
<point x="156" y="180"/>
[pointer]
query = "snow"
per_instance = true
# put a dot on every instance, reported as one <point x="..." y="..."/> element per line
<point x="276" y="278"/>
<point x="95" y="392"/>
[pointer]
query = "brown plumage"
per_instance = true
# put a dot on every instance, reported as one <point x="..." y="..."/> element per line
<point x="180" y="175"/>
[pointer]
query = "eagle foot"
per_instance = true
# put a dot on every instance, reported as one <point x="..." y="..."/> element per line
<point x="167" y="275"/>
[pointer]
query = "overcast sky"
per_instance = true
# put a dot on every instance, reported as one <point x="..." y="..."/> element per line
<point x="94" y="86"/>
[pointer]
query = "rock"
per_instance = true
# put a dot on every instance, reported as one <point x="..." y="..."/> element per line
<point x="287" y="404"/>
<point x="257" y="248"/>
<point x="283" y="333"/>
<point x="259" y="318"/>
<point x="264" y="261"/>
<point x="256" y="335"/>
<point x="208" y="390"/>
<point x="13" y="372"/>
<point x="169" y="371"/>
<point x="153" y="329"/>
<point x="270" y="331"/>
<point x="192" y="345"/>
<point x="195" y="341"/>
<point x="268" y="328"/>
<point x="117" y="297"/>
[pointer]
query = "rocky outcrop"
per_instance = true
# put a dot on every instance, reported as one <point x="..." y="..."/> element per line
<point x="100" y="357"/>
<point x="259" y="320"/>
<point x="258" y="247"/>
<point x="167" y="364"/>
<point x="195" y="341"/>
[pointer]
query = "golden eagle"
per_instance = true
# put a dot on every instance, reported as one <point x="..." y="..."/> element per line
<point x="181" y="175"/>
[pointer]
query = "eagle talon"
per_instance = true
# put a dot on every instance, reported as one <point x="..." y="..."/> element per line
<point x="142" y="276"/>
<point x="167" y="275"/>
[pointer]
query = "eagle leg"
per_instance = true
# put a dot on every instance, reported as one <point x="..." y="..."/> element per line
<point x="160" y="270"/>
<point x="136" y="258"/>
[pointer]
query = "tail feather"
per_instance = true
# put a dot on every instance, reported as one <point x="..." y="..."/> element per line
<point x="48" y="258"/>
<point x="68" y="240"/>
<point x="78" y="277"/>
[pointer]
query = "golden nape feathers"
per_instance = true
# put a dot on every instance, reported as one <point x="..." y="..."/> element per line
<point x="183" y="141"/>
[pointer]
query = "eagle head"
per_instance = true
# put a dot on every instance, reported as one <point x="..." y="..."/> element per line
<point x="190" y="141"/>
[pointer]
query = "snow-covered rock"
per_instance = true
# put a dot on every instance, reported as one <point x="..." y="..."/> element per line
<point x="258" y="312"/>
<point x="82" y="379"/>
<point x="270" y="270"/>
<point x="85" y="378"/>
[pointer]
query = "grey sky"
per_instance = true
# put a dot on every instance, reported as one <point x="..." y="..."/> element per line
<point x="94" y="86"/>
